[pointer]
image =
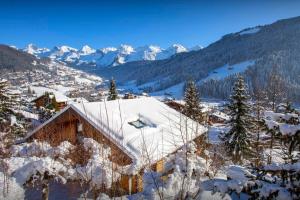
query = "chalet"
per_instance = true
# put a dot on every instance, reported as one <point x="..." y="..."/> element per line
<point x="140" y="132"/>
<point x="46" y="99"/>
<point x="179" y="106"/>
<point x="218" y="117"/>
<point x="45" y="96"/>
<point x="129" y="96"/>
<point x="175" y="105"/>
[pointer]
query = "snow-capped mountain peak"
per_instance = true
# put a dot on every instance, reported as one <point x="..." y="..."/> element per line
<point x="108" y="49"/>
<point x="85" y="50"/>
<point x="33" y="49"/>
<point x="196" y="48"/>
<point x="126" y="49"/>
<point x="178" y="48"/>
<point x="108" y="56"/>
<point x="154" y="48"/>
<point x="65" y="49"/>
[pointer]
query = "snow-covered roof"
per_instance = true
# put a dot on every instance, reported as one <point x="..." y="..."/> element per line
<point x="78" y="100"/>
<point x="221" y="115"/>
<point x="273" y="121"/>
<point x="164" y="131"/>
<point x="40" y="91"/>
<point x="277" y="116"/>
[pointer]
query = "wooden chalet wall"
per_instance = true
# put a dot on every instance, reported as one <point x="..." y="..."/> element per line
<point x="132" y="183"/>
<point x="64" y="128"/>
<point x="61" y="105"/>
<point x="41" y="101"/>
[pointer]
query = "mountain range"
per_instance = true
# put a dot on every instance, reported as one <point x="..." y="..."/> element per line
<point x="105" y="57"/>
<point x="253" y="52"/>
<point x="12" y="59"/>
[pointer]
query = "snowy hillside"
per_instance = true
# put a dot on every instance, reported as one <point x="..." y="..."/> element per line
<point x="254" y="52"/>
<point x="108" y="56"/>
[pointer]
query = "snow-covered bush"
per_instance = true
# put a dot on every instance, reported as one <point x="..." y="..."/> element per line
<point x="276" y="181"/>
<point x="37" y="163"/>
<point x="180" y="178"/>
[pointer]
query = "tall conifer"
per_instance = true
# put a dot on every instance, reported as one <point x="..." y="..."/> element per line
<point x="237" y="139"/>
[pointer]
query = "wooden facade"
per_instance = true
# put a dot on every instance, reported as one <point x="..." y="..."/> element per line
<point x="41" y="101"/>
<point x="132" y="183"/>
<point x="158" y="166"/>
<point x="65" y="127"/>
<point x="216" y="119"/>
<point x="44" y="100"/>
<point x="69" y="125"/>
<point x="175" y="105"/>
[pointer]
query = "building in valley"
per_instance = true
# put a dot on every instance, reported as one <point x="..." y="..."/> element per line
<point x="140" y="132"/>
<point x="45" y="96"/>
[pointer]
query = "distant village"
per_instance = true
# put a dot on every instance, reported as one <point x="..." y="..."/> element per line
<point x="62" y="86"/>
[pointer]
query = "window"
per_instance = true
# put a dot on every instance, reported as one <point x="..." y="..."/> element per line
<point x="137" y="124"/>
<point x="79" y="127"/>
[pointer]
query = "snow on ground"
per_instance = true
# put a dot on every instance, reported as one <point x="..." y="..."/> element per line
<point x="94" y="78"/>
<point x="62" y="89"/>
<point x="175" y="91"/>
<point x="25" y="163"/>
<point x="278" y="121"/>
<point x="10" y="189"/>
<point x="250" y="31"/>
<point x="214" y="132"/>
<point x="13" y="120"/>
<point x="227" y="70"/>
<point x="82" y="80"/>
<point x="28" y="115"/>
<point x="30" y="159"/>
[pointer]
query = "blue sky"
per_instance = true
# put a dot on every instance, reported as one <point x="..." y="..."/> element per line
<point x="136" y="22"/>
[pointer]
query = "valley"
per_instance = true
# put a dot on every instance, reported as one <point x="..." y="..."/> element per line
<point x="137" y="122"/>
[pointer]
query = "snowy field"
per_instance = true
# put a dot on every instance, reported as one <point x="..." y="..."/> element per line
<point x="227" y="70"/>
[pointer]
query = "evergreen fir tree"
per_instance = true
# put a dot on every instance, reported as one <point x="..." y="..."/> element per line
<point x="113" y="94"/>
<point x="54" y="103"/>
<point x="4" y="108"/>
<point x="237" y="140"/>
<point x="45" y="114"/>
<point x="9" y="101"/>
<point x="192" y="107"/>
<point x="289" y="107"/>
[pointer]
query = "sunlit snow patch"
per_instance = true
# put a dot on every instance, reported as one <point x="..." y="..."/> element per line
<point x="250" y="31"/>
<point x="228" y="70"/>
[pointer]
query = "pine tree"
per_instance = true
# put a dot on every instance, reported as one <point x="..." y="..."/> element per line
<point x="289" y="107"/>
<point x="9" y="103"/>
<point x="45" y="114"/>
<point x="192" y="107"/>
<point x="4" y="107"/>
<point x="54" y="103"/>
<point x="113" y="94"/>
<point x="237" y="139"/>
